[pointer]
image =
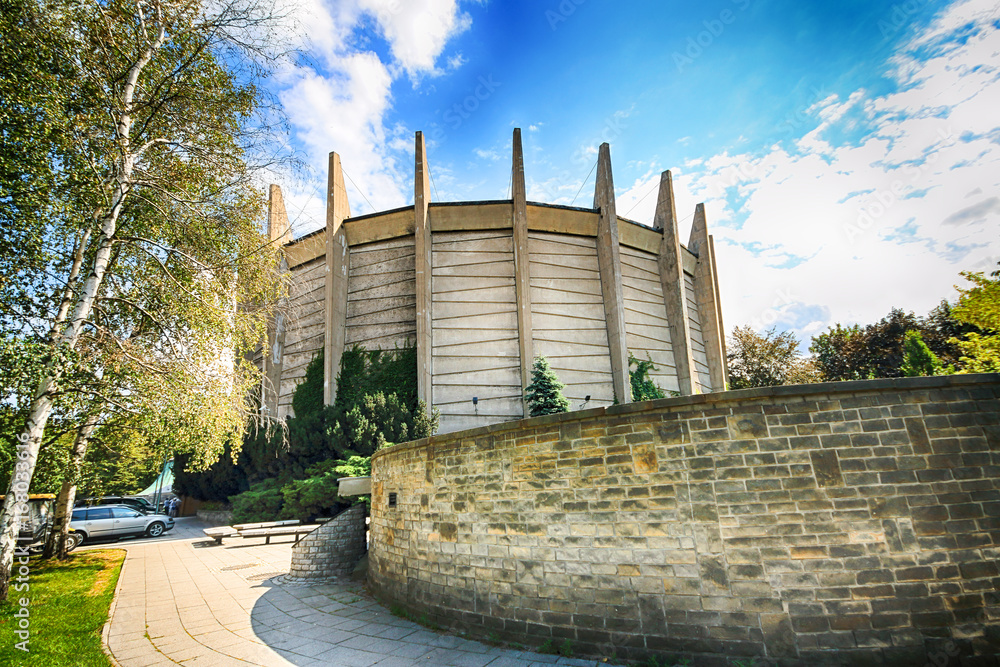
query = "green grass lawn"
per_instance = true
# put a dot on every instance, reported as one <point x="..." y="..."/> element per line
<point x="69" y="602"/>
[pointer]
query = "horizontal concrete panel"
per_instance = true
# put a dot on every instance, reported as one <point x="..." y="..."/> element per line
<point x="584" y="342"/>
<point x="390" y="316"/>
<point x="397" y="242"/>
<point x="472" y="337"/>
<point x="361" y="260"/>
<point x="483" y="296"/>
<point x="305" y="316"/>
<point x="387" y="342"/>
<point x="543" y="270"/>
<point x="551" y="296"/>
<point x="450" y="424"/>
<point x="388" y="225"/>
<point x="297" y="339"/>
<point x="566" y="221"/>
<point x="361" y="335"/>
<point x="383" y="268"/>
<point x="586" y="263"/>
<point x="305" y="284"/>
<point x="640" y="237"/>
<point x="503" y="349"/>
<point x="486" y="269"/>
<point x="445" y="364"/>
<point x="544" y="321"/>
<point x="302" y="252"/>
<point x="494" y="241"/>
<point x="471" y="217"/>
<point x="442" y="310"/>
<point x="590" y="287"/>
<point x="570" y="376"/>
<point x="499" y="321"/>
<point x="631" y="271"/>
<point x="485" y="392"/>
<point x="447" y="284"/>
<point x="564" y="239"/>
<point x="645" y="293"/>
<point x="303" y="343"/>
<point x="654" y="317"/>
<point x="357" y="307"/>
<point x="479" y="376"/>
<point x="586" y="311"/>
<point x="359" y="283"/>
<point x="501" y="409"/>
<point x="596" y="363"/>
<point x="470" y="260"/>
<point x="540" y="248"/>
<point x="387" y="291"/>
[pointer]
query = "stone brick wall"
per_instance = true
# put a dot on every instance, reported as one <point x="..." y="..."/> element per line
<point x="333" y="549"/>
<point x="216" y="517"/>
<point x="835" y="524"/>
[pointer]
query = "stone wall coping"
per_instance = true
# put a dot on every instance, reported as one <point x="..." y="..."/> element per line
<point x="785" y="392"/>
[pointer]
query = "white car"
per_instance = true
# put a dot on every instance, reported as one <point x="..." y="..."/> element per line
<point x="113" y="521"/>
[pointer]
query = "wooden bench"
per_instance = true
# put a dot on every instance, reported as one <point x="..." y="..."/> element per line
<point x="221" y="532"/>
<point x="268" y="533"/>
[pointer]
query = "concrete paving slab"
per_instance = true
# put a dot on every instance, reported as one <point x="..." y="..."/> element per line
<point x="181" y="600"/>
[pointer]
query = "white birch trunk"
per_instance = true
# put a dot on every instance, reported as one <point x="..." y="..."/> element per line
<point x="41" y="406"/>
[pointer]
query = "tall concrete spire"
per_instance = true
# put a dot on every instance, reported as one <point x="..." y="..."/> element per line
<point x="338" y="209"/>
<point x="672" y="281"/>
<point x="609" y="260"/>
<point x="522" y="263"/>
<point x="707" y="298"/>
<point x="423" y="247"/>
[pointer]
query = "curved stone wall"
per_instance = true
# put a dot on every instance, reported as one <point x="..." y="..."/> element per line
<point x="833" y="524"/>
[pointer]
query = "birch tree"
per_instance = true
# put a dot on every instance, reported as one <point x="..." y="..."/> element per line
<point x="139" y="209"/>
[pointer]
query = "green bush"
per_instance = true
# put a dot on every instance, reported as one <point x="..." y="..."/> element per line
<point x="261" y="502"/>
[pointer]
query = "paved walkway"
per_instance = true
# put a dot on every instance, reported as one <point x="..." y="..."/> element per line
<point x="184" y="600"/>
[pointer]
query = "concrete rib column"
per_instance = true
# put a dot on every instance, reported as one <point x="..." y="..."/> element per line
<point x="672" y="281"/>
<point x="522" y="271"/>
<point x="279" y="232"/>
<point x="609" y="261"/>
<point x="423" y="247"/>
<point x="338" y="209"/>
<point x="706" y="295"/>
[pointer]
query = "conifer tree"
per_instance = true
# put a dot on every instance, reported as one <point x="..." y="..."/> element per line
<point x="918" y="360"/>
<point x="545" y="391"/>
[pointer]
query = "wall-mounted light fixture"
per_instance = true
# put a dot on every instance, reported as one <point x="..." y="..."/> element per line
<point x="586" y="399"/>
<point x="475" y="404"/>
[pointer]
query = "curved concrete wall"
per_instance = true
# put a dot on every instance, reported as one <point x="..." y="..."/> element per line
<point x="833" y="524"/>
<point x="480" y="288"/>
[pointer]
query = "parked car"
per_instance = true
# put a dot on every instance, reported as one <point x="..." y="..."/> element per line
<point x="114" y="521"/>
<point x="37" y="522"/>
<point x="136" y="502"/>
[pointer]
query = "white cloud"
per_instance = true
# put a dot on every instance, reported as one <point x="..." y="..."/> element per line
<point x="338" y="99"/>
<point x="417" y="30"/>
<point x="819" y="232"/>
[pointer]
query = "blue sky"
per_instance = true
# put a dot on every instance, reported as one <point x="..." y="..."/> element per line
<point x="847" y="152"/>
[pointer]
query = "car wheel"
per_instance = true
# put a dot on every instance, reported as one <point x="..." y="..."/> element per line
<point x="155" y="529"/>
<point x="73" y="540"/>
